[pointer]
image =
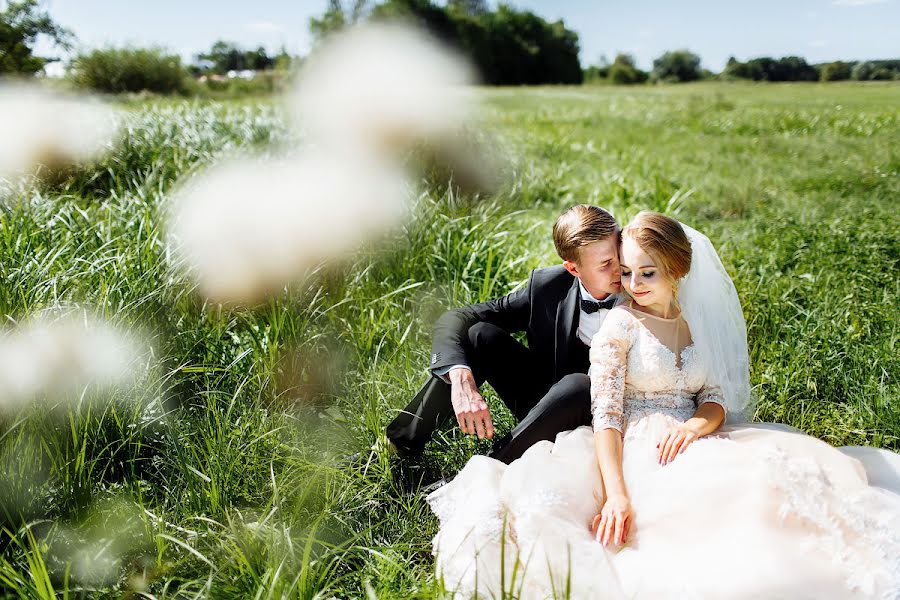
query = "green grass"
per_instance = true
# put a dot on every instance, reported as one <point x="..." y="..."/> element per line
<point x="220" y="480"/>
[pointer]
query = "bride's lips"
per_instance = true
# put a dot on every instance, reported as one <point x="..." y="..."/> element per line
<point x="640" y="293"/>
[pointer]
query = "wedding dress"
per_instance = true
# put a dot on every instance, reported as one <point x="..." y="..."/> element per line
<point x="751" y="511"/>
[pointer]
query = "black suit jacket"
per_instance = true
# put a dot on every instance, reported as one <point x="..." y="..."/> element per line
<point x="546" y="310"/>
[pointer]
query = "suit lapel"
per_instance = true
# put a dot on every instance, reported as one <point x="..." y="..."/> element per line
<point x="566" y="325"/>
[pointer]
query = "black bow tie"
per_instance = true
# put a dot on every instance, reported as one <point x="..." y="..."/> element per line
<point x="592" y="306"/>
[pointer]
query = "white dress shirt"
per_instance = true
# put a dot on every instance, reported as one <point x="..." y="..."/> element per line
<point x="589" y="324"/>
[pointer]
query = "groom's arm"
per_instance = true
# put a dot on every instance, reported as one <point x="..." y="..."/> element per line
<point x="511" y="313"/>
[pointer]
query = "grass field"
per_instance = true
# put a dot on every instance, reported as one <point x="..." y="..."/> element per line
<point x="218" y="477"/>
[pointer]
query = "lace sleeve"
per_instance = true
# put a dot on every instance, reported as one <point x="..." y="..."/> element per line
<point x="609" y="352"/>
<point x="711" y="393"/>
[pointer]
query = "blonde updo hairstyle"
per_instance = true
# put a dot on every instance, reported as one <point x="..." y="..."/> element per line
<point x="664" y="240"/>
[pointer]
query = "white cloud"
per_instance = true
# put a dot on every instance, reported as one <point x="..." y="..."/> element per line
<point x="265" y="27"/>
<point x="857" y="2"/>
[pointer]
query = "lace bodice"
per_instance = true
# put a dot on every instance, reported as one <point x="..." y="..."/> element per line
<point x="635" y="374"/>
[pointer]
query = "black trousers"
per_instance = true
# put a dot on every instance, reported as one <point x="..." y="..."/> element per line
<point x="543" y="408"/>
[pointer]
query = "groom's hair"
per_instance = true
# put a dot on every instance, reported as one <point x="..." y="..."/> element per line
<point x="579" y="226"/>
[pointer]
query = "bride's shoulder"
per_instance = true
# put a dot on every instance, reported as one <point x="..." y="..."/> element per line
<point x="621" y="313"/>
<point x="619" y="322"/>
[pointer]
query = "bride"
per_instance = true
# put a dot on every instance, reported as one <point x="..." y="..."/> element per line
<point x="662" y="498"/>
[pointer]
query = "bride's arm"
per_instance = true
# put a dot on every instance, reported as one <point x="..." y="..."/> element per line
<point x="614" y="520"/>
<point x="609" y="351"/>
<point x="608" y="444"/>
<point x="708" y="417"/>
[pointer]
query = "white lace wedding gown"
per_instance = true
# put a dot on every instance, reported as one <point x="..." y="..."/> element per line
<point x="754" y="511"/>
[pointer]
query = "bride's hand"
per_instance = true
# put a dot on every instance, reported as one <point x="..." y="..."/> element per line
<point x="674" y="441"/>
<point x="614" y="520"/>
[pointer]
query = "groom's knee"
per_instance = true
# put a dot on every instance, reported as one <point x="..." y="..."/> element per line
<point x="483" y="335"/>
<point x="574" y="384"/>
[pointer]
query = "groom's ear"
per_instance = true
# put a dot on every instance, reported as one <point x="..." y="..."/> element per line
<point x="571" y="268"/>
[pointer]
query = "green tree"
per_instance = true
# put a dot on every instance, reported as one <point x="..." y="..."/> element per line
<point x="765" y="68"/>
<point x="624" y="71"/>
<point x="870" y="70"/>
<point x="509" y="46"/>
<point x="20" y="25"/>
<point x="437" y="20"/>
<point x="522" y="48"/>
<point x="793" y="68"/>
<point x="258" y="59"/>
<point x="473" y="8"/>
<point x="283" y="61"/>
<point x="677" y="66"/>
<point x="228" y="56"/>
<point x="835" y="71"/>
<point x="225" y="56"/>
<point x="863" y="70"/>
<point x="337" y="17"/>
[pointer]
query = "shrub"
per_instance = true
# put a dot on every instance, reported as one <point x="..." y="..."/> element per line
<point x="596" y="74"/>
<point x="835" y="71"/>
<point x="117" y="70"/>
<point x="677" y="66"/>
<point x="623" y="71"/>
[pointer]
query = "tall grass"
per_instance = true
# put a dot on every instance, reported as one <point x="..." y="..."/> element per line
<point x="222" y="473"/>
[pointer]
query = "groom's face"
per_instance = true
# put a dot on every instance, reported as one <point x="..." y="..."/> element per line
<point x="598" y="267"/>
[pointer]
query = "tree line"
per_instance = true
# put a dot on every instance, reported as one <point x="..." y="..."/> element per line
<point x="683" y="65"/>
<point x="507" y="45"/>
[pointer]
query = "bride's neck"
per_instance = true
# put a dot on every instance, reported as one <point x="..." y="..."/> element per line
<point x="669" y="311"/>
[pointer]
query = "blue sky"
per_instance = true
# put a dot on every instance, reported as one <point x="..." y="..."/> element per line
<point x="819" y="30"/>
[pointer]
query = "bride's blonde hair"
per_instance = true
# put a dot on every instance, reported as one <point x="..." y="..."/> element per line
<point x="664" y="240"/>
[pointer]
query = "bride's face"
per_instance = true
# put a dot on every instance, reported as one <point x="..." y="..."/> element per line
<point x="642" y="279"/>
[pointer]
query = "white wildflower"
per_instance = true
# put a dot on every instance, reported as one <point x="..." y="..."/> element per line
<point x="246" y="228"/>
<point x="41" y="127"/>
<point x="53" y="359"/>
<point x="382" y="87"/>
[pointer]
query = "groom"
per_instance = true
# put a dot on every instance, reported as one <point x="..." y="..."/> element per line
<point x="545" y="384"/>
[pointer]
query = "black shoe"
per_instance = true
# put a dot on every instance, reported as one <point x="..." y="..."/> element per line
<point x="434" y="486"/>
<point x="409" y="476"/>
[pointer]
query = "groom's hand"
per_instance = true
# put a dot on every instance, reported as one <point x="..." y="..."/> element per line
<point x="471" y="410"/>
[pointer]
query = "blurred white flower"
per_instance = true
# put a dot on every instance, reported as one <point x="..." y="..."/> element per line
<point x="381" y="87"/>
<point x="38" y="126"/>
<point x="248" y="227"/>
<point x="364" y="100"/>
<point x="93" y="551"/>
<point x="53" y="359"/>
